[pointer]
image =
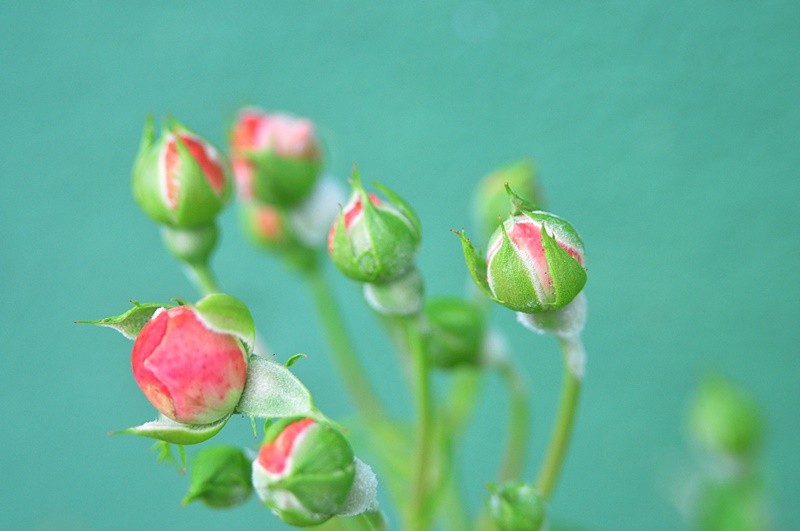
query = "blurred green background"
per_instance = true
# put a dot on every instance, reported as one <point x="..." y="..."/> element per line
<point x="667" y="132"/>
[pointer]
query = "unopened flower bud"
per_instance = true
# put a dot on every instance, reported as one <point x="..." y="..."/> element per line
<point x="374" y="240"/>
<point x="725" y="420"/>
<point x="491" y="198"/>
<point x="271" y="228"/>
<point x="220" y="477"/>
<point x="456" y="330"/>
<point x="534" y="262"/>
<point x="191" y="361"/>
<point x="304" y="471"/>
<point x="276" y="157"/>
<point x="516" y="506"/>
<point x="180" y="180"/>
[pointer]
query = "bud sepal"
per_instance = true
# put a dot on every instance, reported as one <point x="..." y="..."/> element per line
<point x="220" y="477"/>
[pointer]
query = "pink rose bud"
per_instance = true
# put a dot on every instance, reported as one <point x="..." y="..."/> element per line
<point x="191" y="362"/>
<point x="534" y="262"/>
<point x="374" y="240"/>
<point x="304" y="471"/>
<point x="276" y="157"/>
<point x="180" y="180"/>
<point x="271" y="228"/>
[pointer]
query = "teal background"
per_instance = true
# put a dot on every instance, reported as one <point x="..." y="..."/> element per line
<point x="667" y="132"/>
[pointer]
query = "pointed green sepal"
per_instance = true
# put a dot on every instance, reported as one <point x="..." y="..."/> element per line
<point x="225" y="314"/>
<point x="518" y="204"/>
<point x="567" y="275"/>
<point x="294" y="359"/>
<point x="219" y="477"/>
<point x="401" y="205"/>
<point x="272" y="391"/>
<point x="131" y="322"/>
<point x="167" y="430"/>
<point x="476" y="265"/>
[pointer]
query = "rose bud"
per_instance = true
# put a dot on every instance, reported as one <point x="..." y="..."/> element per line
<point x="534" y="261"/>
<point x="271" y="228"/>
<point x="726" y="421"/>
<point x="276" y="157"/>
<point x="491" y="199"/>
<point x="220" y="477"/>
<point x="456" y="331"/>
<point x="516" y="506"/>
<point x="191" y="361"/>
<point x="304" y="471"/>
<point x="180" y="180"/>
<point x="374" y="240"/>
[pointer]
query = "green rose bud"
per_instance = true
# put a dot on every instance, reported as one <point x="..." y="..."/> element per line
<point x="374" y="240"/>
<point x="516" y="506"/>
<point x="491" y="198"/>
<point x="723" y="419"/>
<point x="304" y="471"/>
<point x="276" y="157"/>
<point x="456" y="330"/>
<point x="534" y="262"/>
<point x="180" y="180"/>
<point x="220" y="477"/>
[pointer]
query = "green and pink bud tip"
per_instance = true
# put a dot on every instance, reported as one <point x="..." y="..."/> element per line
<point x="273" y="229"/>
<point x="220" y="477"/>
<point x="516" y="506"/>
<point x="534" y="261"/>
<point x="276" y="157"/>
<point x="191" y="361"/>
<point x="180" y="180"/>
<point x="491" y="198"/>
<point x="304" y="471"/>
<point x="374" y="239"/>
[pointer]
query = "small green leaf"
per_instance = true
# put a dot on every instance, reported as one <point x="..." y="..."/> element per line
<point x="131" y="322"/>
<point x="165" y="455"/>
<point x="518" y="204"/>
<point x="291" y="361"/>
<point x="476" y="265"/>
<point x="167" y="430"/>
<point x="273" y="391"/>
<point x="228" y="315"/>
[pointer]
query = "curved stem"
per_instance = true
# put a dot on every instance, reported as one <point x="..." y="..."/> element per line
<point x="518" y="422"/>
<point x="203" y="278"/>
<point x="570" y="392"/>
<point x="355" y="377"/>
<point x="418" y="517"/>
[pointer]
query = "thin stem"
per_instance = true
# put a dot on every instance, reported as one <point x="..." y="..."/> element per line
<point x="203" y="278"/>
<point x="570" y="392"/>
<point x="518" y="425"/>
<point x="355" y="377"/>
<point x="418" y="517"/>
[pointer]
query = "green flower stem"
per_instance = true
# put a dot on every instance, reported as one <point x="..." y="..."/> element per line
<point x="418" y="511"/>
<point x="570" y="392"/>
<point x="518" y="423"/>
<point x="355" y="377"/>
<point x="461" y="398"/>
<point x="203" y="278"/>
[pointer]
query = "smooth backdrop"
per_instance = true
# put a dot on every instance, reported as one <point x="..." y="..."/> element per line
<point x="667" y="132"/>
